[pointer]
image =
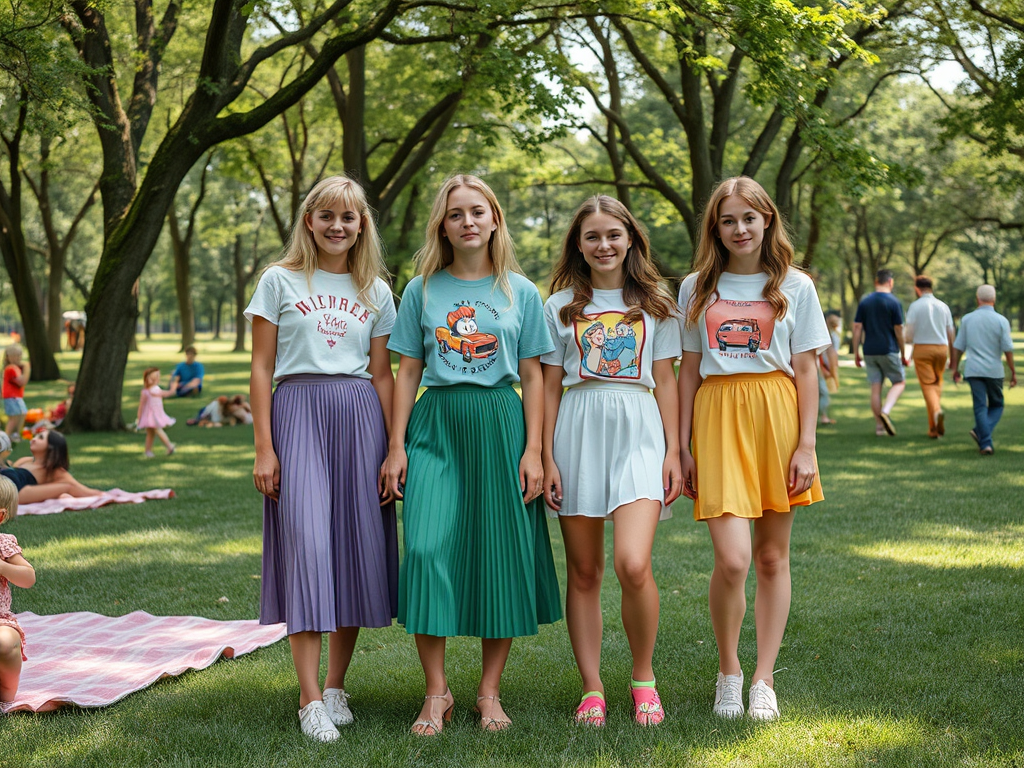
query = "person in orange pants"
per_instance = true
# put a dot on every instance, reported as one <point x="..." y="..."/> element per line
<point x="929" y="327"/>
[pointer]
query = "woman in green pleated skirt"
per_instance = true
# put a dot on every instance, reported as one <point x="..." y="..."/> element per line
<point x="477" y="559"/>
<point x="466" y="455"/>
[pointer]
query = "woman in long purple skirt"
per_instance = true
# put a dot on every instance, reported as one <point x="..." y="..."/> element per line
<point x="321" y="318"/>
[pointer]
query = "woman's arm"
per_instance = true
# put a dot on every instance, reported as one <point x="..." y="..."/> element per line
<point x="531" y="469"/>
<point x="16" y="569"/>
<point x="407" y="384"/>
<point x="266" y="472"/>
<point x="552" y="399"/>
<point x="383" y="380"/>
<point x="666" y="392"/>
<point x="689" y="383"/>
<point x="802" y="466"/>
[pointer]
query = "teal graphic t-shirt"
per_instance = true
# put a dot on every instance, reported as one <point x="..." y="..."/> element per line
<point x="465" y="331"/>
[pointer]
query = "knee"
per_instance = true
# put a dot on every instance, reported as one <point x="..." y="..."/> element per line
<point x="634" y="572"/>
<point x="771" y="562"/>
<point x="585" y="577"/>
<point x="10" y="645"/>
<point x="733" y="568"/>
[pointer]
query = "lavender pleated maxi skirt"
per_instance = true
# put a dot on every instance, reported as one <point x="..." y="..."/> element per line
<point x="330" y="551"/>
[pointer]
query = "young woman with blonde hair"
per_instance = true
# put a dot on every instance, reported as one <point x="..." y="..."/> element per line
<point x="321" y="317"/>
<point x="466" y="454"/>
<point x="752" y="329"/>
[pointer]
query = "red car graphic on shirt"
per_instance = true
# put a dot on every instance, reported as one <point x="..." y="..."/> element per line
<point x="739" y="332"/>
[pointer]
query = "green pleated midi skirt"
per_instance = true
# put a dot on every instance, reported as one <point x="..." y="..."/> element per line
<point x="477" y="559"/>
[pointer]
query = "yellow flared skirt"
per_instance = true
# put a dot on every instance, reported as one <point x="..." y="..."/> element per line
<point x="746" y="428"/>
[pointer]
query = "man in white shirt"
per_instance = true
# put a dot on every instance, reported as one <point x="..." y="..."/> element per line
<point x="929" y="327"/>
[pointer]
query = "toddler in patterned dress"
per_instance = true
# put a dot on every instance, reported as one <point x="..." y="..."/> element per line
<point x="16" y="570"/>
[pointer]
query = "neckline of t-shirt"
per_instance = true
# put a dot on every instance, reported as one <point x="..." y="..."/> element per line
<point x="333" y="274"/>
<point x="606" y="291"/>
<point x="453" y="278"/>
<point x="745" y="277"/>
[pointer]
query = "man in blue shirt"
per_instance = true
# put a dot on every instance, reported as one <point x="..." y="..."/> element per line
<point x="879" y="321"/>
<point x="187" y="377"/>
<point x="983" y="335"/>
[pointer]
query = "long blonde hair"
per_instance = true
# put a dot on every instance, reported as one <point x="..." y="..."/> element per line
<point x="437" y="252"/>
<point x="8" y="500"/>
<point x="711" y="256"/>
<point x="14" y="350"/>
<point x="365" y="257"/>
<point x="642" y="289"/>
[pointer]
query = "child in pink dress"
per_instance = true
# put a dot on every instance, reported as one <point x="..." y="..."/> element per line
<point x="14" y="569"/>
<point x="151" y="416"/>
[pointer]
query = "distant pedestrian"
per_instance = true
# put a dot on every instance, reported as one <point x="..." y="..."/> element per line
<point x="187" y="377"/>
<point x="16" y="375"/>
<point x="879" y="320"/>
<point x="984" y="334"/>
<point x="930" y="329"/>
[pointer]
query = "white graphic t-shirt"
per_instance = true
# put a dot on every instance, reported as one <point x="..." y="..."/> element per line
<point x="738" y="332"/>
<point x="322" y="327"/>
<point x="602" y="346"/>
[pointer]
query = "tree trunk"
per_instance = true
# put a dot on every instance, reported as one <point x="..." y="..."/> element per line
<point x="241" y="280"/>
<point x="182" y="279"/>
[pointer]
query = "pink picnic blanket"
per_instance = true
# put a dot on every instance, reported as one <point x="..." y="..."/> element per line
<point x="113" y="496"/>
<point x="91" y="660"/>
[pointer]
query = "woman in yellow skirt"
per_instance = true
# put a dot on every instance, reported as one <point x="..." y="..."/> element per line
<point x="752" y="329"/>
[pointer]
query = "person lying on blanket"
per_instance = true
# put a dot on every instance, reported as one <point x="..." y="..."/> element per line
<point x="44" y="475"/>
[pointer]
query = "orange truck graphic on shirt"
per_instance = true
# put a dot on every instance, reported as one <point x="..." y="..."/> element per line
<point x="463" y="335"/>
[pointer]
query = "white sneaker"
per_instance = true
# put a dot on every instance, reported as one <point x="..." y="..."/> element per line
<point x="763" y="704"/>
<point x="336" y="701"/>
<point x="729" y="695"/>
<point x="316" y="724"/>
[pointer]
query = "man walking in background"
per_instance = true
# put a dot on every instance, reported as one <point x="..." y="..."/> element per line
<point x="984" y="335"/>
<point x="879" y="321"/>
<point x="930" y="329"/>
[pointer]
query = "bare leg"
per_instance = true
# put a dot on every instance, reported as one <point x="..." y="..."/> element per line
<point x="584" y="556"/>
<point x="10" y="662"/>
<point x="163" y="438"/>
<point x="150" y="434"/>
<point x="893" y="395"/>
<point x="494" y="652"/>
<point x="635" y="524"/>
<point x="340" y="646"/>
<point x="774" y="589"/>
<point x="431" y="651"/>
<point x="14" y="424"/>
<point x="306" y="656"/>
<point x="876" y="405"/>
<point x="727" y="599"/>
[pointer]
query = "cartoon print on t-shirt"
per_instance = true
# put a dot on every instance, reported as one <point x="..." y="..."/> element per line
<point x="740" y="328"/>
<point x="609" y="346"/>
<point x="462" y="335"/>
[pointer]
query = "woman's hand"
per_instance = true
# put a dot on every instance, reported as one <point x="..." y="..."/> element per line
<point x="802" y="470"/>
<point x="672" y="477"/>
<point x="552" y="485"/>
<point x="384" y="492"/>
<point x="688" y="468"/>
<point x="266" y="474"/>
<point x="531" y="476"/>
<point x="393" y="472"/>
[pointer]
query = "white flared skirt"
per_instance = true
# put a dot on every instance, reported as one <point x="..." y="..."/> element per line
<point x="609" y="448"/>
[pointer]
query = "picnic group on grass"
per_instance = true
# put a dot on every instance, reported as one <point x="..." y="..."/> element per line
<point x="604" y="430"/>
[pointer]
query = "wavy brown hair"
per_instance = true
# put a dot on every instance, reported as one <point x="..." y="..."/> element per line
<point x="642" y="289"/>
<point x="711" y="256"/>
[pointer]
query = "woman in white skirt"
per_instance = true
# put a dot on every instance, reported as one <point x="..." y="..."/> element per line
<point x="611" y="448"/>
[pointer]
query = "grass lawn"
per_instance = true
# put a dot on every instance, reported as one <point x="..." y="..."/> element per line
<point x="905" y="646"/>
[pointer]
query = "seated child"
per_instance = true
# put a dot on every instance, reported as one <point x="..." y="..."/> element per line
<point x="61" y="409"/>
<point x="16" y="570"/>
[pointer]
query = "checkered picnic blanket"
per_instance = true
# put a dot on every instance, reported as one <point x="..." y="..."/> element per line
<point x="113" y="496"/>
<point x="92" y="661"/>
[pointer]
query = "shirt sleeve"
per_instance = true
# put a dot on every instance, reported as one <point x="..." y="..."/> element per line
<point x="809" y="329"/>
<point x="200" y="371"/>
<point x="8" y="546"/>
<point x="266" y="299"/>
<point x="961" y="336"/>
<point x="690" y="335"/>
<point x="557" y="355"/>
<point x="534" y="339"/>
<point x="896" y="311"/>
<point x="1007" y="340"/>
<point x="667" y="340"/>
<point x="406" y="334"/>
<point x="859" y="317"/>
<point x="949" y="320"/>
<point x="908" y="326"/>
<point x="384" y="319"/>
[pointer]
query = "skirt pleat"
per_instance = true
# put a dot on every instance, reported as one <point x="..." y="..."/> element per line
<point x="330" y="550"/>
<point x="609" y="447"/>
<point x="746" y="429"/>
<point x="477" y="559"/>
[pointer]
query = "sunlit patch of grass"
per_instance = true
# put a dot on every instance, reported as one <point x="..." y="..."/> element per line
<point x="942" y="546"/>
